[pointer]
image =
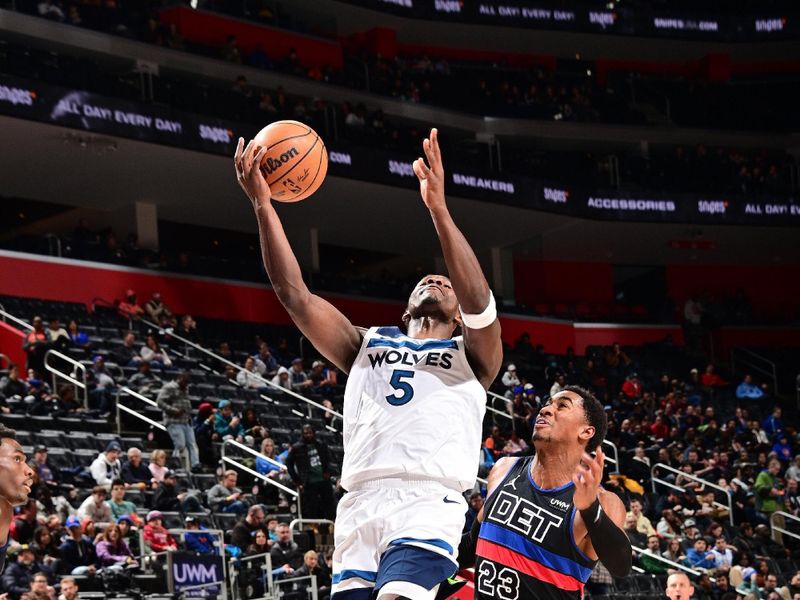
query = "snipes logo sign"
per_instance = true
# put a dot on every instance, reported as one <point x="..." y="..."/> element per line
<point x="712" y="207"/>
<point x="15" y="95"/>
<point x="556" y="195"/>
<point x="219" y="135"/>
<point x="770" y="25"/>
<point x="448" y="6"/>
<point x="602" y="18"/>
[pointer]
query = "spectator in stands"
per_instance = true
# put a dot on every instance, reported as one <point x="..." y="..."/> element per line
<point x="632" y="388"/>
<point x="198" y="539"/>
<point x="19" y="574"/>
<point x="226" y="497"/>
<point x="129" y="308"/>
<point x="308" y="465"/>
<point x="559" y="384"/>
<point x="96" y="508"/>
<point x="674" y="551"/>
<point x="510" y="379"/>
<point x="118" y="505"/>
<point x="76" y="336"/>
<point x="475" y="504"/>
<point x="244" y="531"/>
<point x="285" y="552"/>
<point x="312" y="566"/>
<point x="188" y="329"/>
<point x="773" y="424"/>
<point x="127" y="355"/>
<point x="254" y="431"/>
<point x="168" y="498"/>
<point x="107" y="467"/>
<point x="495" y="443"/>
<point x="57" y="336"/>
<point x="12" y="386"/>
<point x="723" y="555"/>
<point x="646" y="560"/>
<point x="204" y="434"/>
<point x="282" y="379"/>
<point x="747" y="390"/>
<point x="260" y="544"/>
<point x="113" y="551"/>
<point x="226" y="424"/>
<point x="698" y="555"/>
<point x="77" y="551"/>
<point x="153" y="353"/>
<point x="69" y="589"/>
<point x="129" y="533"/>
<point x="25" y="522"/>
<point x="145" y="381"/>
<point x="35" y="345"/>
<point x="636" y="538"/>
<point x="300" y="381"/>
<point x="710" y="378"/>
<point x="157" y="467"/>
<point x="266" y="364"/>
<point x="156" y="537"/>
<point x="40" y="589"/>
<point x="173" y="399"/>
<point x="515" y="445"/>
<point x="45" y="547"/>
<point x="159" y="312"/>
<point x="793" y="472"/>
<point x="249" y="377"/>
<point x="643" y="524"/>
<point x="769" y="490"/>
<point x="135" y="472"/>
<point x="102" y="389"/>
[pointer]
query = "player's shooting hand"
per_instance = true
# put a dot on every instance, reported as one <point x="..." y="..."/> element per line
<point x="247" y="162"/>
<point x="587" y="479"/>
<point x="431" y="175"/>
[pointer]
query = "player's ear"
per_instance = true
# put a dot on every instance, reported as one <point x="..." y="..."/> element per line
<point x="406" y="318"/>
<point x="586" y="433"/>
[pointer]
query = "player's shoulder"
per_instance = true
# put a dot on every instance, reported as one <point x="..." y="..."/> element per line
<point x="501" y="469"/>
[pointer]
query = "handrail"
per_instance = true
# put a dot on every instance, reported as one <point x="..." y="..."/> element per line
<point x="694" y="572"/>
<point x="699" y="480"/>
<point x="171" y="332"/>
<point x="137" y="395"/>
<point x="771" y="369"/>
<point x="138" y="415"/>
<point x="76" y="365"/>
<point x="294" y="522"/>
<point x="24" y="324"/>
<point x="269" y="480"/>
<point x="280" y="465"/>
<point x="233" y="568"/>
<point x="779" y="528"/>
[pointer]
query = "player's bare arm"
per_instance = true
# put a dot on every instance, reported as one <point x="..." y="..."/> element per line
<point x="598" y="526"/>
<point x="323" y="324"/>
<point x="483" y="345"/>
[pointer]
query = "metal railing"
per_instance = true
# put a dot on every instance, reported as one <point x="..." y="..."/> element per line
<point x="777" y="525"/>
<point x="296" y="522"/>
<point x="755" y="362"/>
<point x="671" y="563"/>
<point x="130" y="411"/>
<point x="227" y="459"/>
<point x="17" y="321"/>
<point x="235" y="569"/>
<point x="267" y="383"/>
<point x="704" y="482"/>
<point x="76" y="367"/>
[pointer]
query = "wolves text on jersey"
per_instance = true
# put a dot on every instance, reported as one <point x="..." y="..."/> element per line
<point x="443" y="360"/>
<point x="523" y="516"/>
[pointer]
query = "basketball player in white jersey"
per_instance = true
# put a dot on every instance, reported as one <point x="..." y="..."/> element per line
<point x="414" y="401"/>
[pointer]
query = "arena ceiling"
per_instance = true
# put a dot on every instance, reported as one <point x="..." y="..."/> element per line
<point x="200" y="189"/>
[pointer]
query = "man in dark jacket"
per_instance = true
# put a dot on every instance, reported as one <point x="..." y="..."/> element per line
<point x="17" y="577"/>
<point x="308" y="465"/>
<point x="167" y="498"/>
<point x="244" y="530"/>
<point x="78" y="556"/>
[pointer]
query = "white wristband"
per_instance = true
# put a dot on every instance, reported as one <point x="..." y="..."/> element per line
<point x="483" y="319"/>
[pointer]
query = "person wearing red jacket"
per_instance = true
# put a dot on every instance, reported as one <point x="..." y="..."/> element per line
<point x="711" y="379"/>
<point x="156" y="535"/>
<point x="632" y="388"/>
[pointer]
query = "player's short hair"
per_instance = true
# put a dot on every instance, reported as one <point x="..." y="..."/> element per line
<point x="6" y="433"/>
<point x="595" y="415"/>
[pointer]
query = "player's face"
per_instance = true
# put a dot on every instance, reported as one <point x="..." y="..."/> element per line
<point x="433" y="292"/>
<point x="16" y="477"/>
<point x="679" y="587"/>
<point x="562" y="420"/>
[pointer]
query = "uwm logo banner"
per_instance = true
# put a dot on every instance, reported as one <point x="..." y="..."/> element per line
<point x="187" y="570"/>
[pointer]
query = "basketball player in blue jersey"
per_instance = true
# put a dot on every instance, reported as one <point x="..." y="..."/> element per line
<point x="16" y="479"/>
<point x="413" y="406"/>
<point x="546" y="520"/>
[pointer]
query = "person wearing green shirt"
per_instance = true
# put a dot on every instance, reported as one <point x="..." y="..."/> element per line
<point x="769" y="490"/>
<point x="119" y="506"/>
<point x="650" y="559"/>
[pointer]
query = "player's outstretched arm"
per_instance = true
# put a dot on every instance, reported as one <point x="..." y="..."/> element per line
<point x="483" y="344"/>
<point x="328" y="329"/>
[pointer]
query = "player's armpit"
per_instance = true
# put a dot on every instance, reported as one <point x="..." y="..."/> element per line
<point x="484" y="351"/>
<point x="330" y="332"/>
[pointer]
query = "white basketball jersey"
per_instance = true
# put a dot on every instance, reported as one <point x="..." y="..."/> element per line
<point x="412" y="408"/>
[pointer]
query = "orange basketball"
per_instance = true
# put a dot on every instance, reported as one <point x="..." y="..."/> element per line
<point x="295" y="162"/>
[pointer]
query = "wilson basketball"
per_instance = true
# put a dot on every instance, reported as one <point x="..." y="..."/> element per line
<point x="295" y="162"/>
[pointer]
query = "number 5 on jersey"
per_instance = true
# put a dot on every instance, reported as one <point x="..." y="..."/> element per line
<point x="404" y="387"/>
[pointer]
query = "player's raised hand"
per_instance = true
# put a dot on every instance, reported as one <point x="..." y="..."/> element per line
<point x="247" y="162"/>
<point x="431" y="175"/>
<point x="587" y="479"/>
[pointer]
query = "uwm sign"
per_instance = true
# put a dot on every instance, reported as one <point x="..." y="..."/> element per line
<point x="204" y="574"/>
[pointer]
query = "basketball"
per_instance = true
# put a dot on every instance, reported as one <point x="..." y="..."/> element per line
<point x="295" y="162"/>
